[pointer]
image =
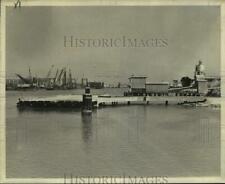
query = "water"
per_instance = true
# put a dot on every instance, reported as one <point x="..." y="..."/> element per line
<point x="136" y="140"/>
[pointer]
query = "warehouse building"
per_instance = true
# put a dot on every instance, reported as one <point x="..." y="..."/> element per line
<point x="137" y="85"/>
<point x="157" y="88"/>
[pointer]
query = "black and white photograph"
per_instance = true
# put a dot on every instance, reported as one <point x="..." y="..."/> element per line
<point x="111" y="93"/>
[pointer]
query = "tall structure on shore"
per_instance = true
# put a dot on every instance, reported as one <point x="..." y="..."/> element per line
<point x="199" y="71"/>
<point x="200" y="80"/>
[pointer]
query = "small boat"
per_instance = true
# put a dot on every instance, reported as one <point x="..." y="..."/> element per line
<point x="202" y="105"/>
<point x="196" y="104"/>
<point x="189" y="104"/>
<point x="105" y="96"/>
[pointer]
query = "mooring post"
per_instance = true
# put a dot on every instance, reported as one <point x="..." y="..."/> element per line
<point x="87" y="101"/>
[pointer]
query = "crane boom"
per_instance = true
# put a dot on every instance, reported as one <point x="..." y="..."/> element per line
<point x="60" y="75"/>
<point x="49" y="72"/>
<point x="56" y="75"/>
<point x="27" y="81"/>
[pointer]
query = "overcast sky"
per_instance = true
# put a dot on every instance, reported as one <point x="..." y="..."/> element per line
<point x="35" y="38"/>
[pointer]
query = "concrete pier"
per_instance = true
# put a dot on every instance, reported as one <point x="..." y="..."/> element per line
<point x="87" y="101"/>
<point x="149" y="100"/>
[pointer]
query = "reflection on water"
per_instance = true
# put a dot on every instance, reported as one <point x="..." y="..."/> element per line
<point x="87" y="127"/>
<point x="46" y="110"/>
<point x="135" y="140"/>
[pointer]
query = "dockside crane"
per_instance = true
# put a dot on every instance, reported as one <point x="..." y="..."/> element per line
<point x="64" y="78"/>
<point x="30" y="76"/>
<point x="59" y="78"/>
<point x="48" y="80"/>
<point x="26" y="81"/>
<point x="49" y="72"/>
<point x="56" y="75"/>
<point x="70" y="82"/>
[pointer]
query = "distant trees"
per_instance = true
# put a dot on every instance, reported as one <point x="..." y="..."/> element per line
<point x="186" y="81"/>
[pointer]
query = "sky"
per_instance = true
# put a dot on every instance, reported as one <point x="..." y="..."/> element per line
<point x="35" y="39"/>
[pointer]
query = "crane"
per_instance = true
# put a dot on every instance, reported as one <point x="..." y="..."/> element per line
<point x="48" y="81"/>
<point x="49" y="72"/>
<point x="58" y="79"/>
<point x="30" y="76"/>
<point x="26" y="81"/>
<point x="56" y="75"/>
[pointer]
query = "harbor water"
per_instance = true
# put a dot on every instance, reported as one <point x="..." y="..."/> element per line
<point x="154" y="140"/>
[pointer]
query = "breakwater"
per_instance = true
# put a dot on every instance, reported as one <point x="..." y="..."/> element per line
<point x="76" y="101"/>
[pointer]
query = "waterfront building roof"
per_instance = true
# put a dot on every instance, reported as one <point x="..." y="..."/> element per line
<point x="157" y="83"/>
<point x="137" y="77"/>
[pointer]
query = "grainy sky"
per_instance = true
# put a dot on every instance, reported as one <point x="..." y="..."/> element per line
<point x="35" y="38"/>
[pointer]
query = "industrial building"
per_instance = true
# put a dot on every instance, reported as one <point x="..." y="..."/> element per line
<point x="159" y="88"/>
<point x="137" y="85"/>
<point x="96" y="85"/>
<point x="201" y="85"/>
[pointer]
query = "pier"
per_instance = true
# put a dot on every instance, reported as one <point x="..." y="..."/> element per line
<point x="76" y="101"/>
